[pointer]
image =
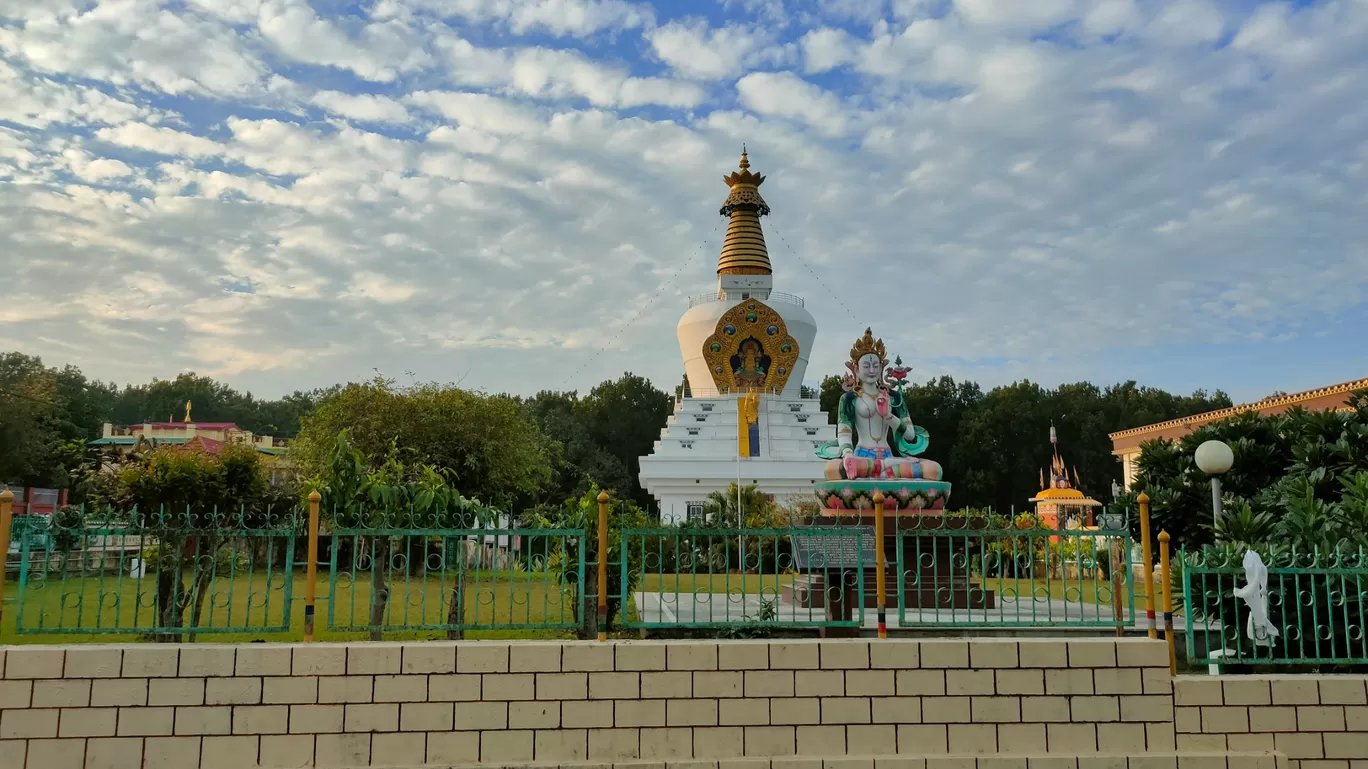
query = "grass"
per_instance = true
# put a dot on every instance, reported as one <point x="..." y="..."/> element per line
<point x="503" y="604"/>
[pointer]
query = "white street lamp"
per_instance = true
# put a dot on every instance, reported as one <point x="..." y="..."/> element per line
<point x="1214" y="458"/>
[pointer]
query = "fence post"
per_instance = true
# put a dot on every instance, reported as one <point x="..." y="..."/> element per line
<point x="880" y="562"/>
<point x="1168" y="600"/>
<point x="311" y="568"/>
<point x="6" y="517"/>
<point x="1117" y="565"/>
<point x="603" y="566"/>
<point x="1147" y="554"/>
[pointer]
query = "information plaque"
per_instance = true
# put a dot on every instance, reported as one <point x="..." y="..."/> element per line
<point x="849" y="547"/>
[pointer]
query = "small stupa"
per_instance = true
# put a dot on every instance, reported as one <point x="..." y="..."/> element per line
<point x="1059" y="504"/>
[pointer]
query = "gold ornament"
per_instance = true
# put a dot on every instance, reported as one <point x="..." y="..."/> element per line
<point x="868" y="345"/>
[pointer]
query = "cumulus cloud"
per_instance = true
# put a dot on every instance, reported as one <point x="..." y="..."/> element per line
<point x="365" y="108"/>
<point x="694" y="50"/>
<point x="292" y="193"/>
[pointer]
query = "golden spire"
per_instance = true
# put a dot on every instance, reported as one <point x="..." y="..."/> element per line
<point x="743" y="248"/>
<point x="187" y="412"/>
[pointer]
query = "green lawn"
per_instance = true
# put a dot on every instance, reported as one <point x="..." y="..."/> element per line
<point x="499" y="604"/>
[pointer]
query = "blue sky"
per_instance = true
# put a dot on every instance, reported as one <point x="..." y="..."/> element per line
<point x="522" y="194"/>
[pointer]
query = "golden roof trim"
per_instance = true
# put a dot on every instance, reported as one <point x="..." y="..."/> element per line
<point x="1218" y="414"/>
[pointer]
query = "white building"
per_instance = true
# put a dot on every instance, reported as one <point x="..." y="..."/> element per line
<point x="745" y="351"/>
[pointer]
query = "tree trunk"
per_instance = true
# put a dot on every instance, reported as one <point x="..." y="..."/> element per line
<point x="203" y="577"/>
<point x="379" y="586"/>
<point x="168" y="603"/>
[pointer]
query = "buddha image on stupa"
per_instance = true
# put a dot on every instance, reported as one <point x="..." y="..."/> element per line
<point x="750" y="365"/>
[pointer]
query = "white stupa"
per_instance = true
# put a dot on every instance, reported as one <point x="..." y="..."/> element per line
<point x="744" y="414"/>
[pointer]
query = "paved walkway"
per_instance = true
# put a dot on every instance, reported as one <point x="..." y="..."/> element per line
<point x="724" y="608"/>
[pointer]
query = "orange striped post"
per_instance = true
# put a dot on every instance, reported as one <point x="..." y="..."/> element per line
<point x="311" y="568"/>
<point x="603" y="566"/>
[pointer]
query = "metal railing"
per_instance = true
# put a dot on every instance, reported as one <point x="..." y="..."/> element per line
<point x="455" y="579"/>
<point x="718" y="296"/>
<point x="1012" y="572"/>
<point x="1317" y="608"/>
<point x="232" y="574"/>
<point x="739" y="578"/>
<point x="157" y="573"/>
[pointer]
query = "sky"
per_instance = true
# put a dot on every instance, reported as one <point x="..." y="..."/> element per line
<point x="520" y="195"/>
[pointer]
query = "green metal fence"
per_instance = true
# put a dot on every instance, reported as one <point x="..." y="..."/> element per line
<point x="455" y="579"/>
<point x="738" y="578"/>
<point x="1011" y="572"/>
<point x="1317" y="605"/>
<point x="157" y="573"/>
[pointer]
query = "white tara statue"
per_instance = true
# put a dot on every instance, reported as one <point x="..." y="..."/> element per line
<point x="1258" y="628"/>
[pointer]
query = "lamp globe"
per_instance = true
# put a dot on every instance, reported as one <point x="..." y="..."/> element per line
<point x="1214" y="457"/>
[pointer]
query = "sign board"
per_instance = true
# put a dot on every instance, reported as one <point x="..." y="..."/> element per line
<point x="849" y="547"/>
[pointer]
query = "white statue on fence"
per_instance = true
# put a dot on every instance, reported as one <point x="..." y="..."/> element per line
<point x="1258" y="628"/>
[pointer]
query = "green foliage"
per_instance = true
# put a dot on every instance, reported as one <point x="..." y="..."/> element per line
<point x="1299" y="478"/>
<point x="563" y="561"/>
<point x="761" y="554"/>
<point x="358" y="492"/>
<point x="578" y="460"/>
<point x="480" y="442"/>
<point x="624" y="417"/>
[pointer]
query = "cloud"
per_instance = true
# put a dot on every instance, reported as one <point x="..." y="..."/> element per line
<point x="574" y="18"/>
<point x="379" y="52"/>
<point x="562" y="74"/>
<point x="783" y="94"/>
<point x="365" y="108"/>
<point x="694" y="50"/>
<point x="292" y="193"/>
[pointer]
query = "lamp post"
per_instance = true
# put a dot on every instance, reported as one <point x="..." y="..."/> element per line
<point x="1214" y="458"/>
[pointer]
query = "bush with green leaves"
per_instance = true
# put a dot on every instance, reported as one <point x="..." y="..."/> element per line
<point x="1299" y="478"/>
<point x="565" y="553"/>
<point x="374" y="499"/>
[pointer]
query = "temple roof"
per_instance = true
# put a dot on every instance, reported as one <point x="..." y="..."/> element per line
<point x="1331" y="397"/>
<point x="743" y="248"/>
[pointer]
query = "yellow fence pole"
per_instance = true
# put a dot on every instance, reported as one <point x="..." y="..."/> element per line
<point x="1164" y="576"/>
<point x="603" y="566"/>
<point x="6" y="518"/>
<point x="1147" y="553"/>
<point x="880" y="562"/>
<point x="311" y="568"/>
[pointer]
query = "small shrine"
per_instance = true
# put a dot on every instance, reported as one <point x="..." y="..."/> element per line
<point x="1059" y="504"/>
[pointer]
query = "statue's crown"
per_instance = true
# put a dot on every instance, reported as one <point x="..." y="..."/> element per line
<point x="867" y="345"/>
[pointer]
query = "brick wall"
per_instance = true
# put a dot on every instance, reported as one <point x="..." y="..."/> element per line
<point x="1320" y="722"/>
<point x="935" y="704"/>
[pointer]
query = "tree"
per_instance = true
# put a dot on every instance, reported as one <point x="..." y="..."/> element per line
<point x="192" y="504"/>
<point x="579" y="462"/>
<point x="829" y="398"/>
<point x="29" y="420"/>
<point x="381" y="494"/>
<point x="490" y="450"/>
<point x="564" y="559"/>
<point x="625" y="417"/>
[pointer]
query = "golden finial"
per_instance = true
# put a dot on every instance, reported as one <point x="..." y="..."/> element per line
<point x="187" y="412"/>
<point x="745" y="161"/>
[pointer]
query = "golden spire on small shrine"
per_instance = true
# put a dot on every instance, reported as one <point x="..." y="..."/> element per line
<point x="187" y="412"/>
